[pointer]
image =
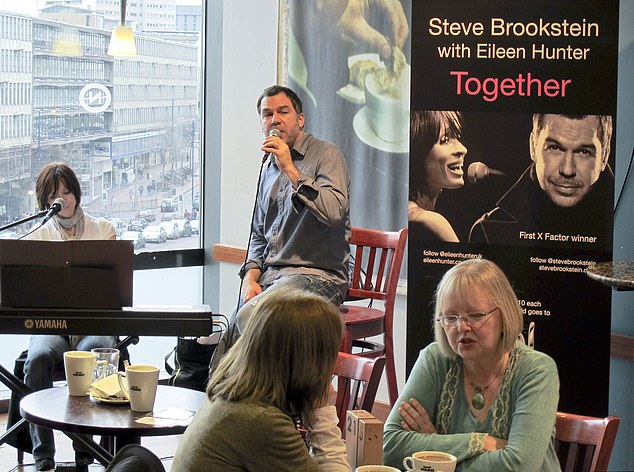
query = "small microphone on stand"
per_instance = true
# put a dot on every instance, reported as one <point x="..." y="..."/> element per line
<point x="479" y="171"/>
<point x="57" y="206"/>
<point x="273" y="132"/>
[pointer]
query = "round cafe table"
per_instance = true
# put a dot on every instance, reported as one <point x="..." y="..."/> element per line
<point x="173" y="411"/>
<point x="616" y="274"/>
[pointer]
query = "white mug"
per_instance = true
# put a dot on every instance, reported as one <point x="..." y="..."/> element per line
<point x="139" y="383"/>
<point x="79" y="367"/>
<point x="376" y="468"/>
<point x="430" y="461"/>
<point x="388" y="110"/>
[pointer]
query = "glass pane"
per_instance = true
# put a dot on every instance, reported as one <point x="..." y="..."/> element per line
<point x="128" y="126"/>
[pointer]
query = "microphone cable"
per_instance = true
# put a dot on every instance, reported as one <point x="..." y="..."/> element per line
<point x="246" y="256"/>
<point x="273" y="132"/>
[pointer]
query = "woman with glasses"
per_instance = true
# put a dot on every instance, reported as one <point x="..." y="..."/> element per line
<point x="478" y="392"/>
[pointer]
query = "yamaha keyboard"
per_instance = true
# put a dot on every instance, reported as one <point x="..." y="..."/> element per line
<point x="142" y="320"/>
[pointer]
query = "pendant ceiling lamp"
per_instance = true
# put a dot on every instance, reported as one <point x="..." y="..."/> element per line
<point x="122" y="38"/>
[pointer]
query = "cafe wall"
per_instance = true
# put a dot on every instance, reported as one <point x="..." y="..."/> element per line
<point x="622" y="370"/>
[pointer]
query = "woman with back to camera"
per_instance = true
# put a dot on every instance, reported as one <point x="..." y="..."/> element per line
<point x="436" y="163"/>
<point x="57" y="180"/>
<point x="278" y="371"/>
<point x="478" y="392"/>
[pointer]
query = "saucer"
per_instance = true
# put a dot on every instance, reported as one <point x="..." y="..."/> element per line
<point x="363" y="128"/>
<point x="111" y="400"/>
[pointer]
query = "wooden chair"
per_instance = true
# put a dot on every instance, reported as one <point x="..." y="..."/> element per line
<point x="584" y="443"/>
<point x="378" y="256"/>
<point x="357" y="382"/>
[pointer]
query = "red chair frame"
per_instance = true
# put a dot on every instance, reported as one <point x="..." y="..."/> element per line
<point x="378" y="256"/>
<point x="584" y="443"/>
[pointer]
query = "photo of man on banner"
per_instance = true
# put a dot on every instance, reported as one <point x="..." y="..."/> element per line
<point x="560" y="199"/>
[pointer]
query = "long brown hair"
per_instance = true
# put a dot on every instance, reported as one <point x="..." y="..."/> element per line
<point x="285" y="356"/>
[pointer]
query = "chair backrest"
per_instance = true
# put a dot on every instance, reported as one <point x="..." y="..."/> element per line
<point x="378" y="256"/>
<point x="584" y="443"/>
<point x="357" y="382"/>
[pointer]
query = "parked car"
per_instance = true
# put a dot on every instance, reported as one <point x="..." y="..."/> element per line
<point x="154" y="234"/>
<point x="147" y="215"/>
<point x="136" y="237"/>
<point x="137" y="225"/>
<point x="171" y="229"/>
<point x="184" y="227"/>
<point x="195" y="224"/>
<point x="169" y="216"/>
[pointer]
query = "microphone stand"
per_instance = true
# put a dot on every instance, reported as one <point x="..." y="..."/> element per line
<point x="39" y="214"/>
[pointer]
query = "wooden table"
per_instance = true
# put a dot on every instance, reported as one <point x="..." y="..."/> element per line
<point x="617" y="274"/>
<point x="173" y="411"/>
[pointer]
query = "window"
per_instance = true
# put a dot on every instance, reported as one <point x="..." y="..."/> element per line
<point x="129" y="127"/>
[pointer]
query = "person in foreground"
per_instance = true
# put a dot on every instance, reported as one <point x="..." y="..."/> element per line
<point x="436" y="164"/>
<point x="58" y="180"/>
<point x="278" y="372"/>
<point x="301" y="222"/>
<point x="478" y="392"/>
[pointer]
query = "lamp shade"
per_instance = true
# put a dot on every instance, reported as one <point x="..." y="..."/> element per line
<point x="122" y="42"/>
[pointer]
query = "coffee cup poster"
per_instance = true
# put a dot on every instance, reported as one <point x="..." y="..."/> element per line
<point x="488" y="128"/>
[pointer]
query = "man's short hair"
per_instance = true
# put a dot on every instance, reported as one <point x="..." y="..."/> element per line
<point x="604" y="132"/>
<point x="274" y="90"/>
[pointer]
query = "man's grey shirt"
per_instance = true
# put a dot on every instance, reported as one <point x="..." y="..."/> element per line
<point x="304" y="230"/>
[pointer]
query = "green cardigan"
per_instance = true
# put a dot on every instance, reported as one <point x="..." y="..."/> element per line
<point x="523" y="414"/>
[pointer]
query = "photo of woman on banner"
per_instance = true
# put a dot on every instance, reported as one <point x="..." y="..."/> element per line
<point x="565" y="197"/>
<point x="436" y="163"/>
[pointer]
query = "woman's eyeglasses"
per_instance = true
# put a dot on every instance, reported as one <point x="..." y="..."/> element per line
<point x="452" y="320"/>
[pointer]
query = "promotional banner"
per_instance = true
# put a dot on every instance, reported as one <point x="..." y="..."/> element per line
<point x="513" y="86"/>
<point x="520" y="98"/>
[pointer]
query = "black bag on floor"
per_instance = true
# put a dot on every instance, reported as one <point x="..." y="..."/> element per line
<point x="191" y="364"/>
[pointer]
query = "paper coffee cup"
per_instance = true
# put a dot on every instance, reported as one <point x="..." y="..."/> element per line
<point x="430" y="461"/>
<point x="79" y="367"/>
<point x="139" y="383"/>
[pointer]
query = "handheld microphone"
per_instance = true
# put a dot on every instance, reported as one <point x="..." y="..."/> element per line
<point x="479" y="171"/>
<point x="57" y="206"/>
<point x="273" y="132"/>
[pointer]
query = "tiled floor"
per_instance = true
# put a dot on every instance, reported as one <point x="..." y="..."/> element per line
<point x="164" y="447"/>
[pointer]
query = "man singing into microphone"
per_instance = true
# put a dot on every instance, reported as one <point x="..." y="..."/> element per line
<point x="564" y="197"/>
<point x="301" y="223"/>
